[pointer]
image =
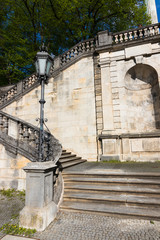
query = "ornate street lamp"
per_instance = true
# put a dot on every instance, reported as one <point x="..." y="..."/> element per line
<point x="43" y="65"/>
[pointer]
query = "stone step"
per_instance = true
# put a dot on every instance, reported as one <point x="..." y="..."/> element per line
<point x="72" y="163"/>
<point x="112" y="188"/>
<point x="69" y="159"/>
<point x="65" y="153"/>
<point x="65" y="160"/>
<point x="117" y="180"/>
<point x="113" y="198"/>
<point x="68" y="155"/>
<point x="109" y="210"/>
<point x="110" y="173"/>
<point x="113" y="193"/>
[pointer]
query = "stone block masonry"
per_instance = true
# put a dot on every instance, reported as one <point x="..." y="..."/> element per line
<point x="99" y="89"/>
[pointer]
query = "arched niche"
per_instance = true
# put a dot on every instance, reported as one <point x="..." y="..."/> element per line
<point x="143" y="98"/>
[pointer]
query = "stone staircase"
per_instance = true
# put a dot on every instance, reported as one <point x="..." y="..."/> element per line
<point x="68" y="159"/>
<point x="114" y="194"/>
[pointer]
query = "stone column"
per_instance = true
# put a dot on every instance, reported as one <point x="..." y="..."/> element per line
<point x="39" y="210"/>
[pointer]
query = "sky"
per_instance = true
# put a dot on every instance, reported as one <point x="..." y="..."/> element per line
<point x="158" y="9"/>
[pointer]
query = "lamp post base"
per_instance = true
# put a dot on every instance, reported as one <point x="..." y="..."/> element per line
<point x="38" y="218"/>
<point x="39" y="210"/>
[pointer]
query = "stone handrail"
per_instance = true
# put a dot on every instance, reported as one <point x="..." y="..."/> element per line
<point x="137" y="33"/>
<point x="21" y="137"/>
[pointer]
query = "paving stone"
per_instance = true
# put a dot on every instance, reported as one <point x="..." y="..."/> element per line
<point x="10" y="237"/>
<point x="83" y="226"/>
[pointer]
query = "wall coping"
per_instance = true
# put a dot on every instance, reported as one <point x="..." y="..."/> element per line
<point x="129" y="135"/>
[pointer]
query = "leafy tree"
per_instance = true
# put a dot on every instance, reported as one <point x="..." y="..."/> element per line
<point x="24" y="24"/>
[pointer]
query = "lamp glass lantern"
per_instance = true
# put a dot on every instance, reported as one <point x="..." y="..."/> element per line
<point x="43" y="64"/>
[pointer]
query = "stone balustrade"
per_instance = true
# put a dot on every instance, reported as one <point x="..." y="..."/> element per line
<point x="21" y="87"/>
<point x="23" y="137"/>
<point x="81" y="49"/>
<point x="137" y="33"/>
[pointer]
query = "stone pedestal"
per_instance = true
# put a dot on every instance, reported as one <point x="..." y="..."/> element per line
<point x="39" y="210"/>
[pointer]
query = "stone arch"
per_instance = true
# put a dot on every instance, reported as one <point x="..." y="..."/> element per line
<point x="143" y="98"/>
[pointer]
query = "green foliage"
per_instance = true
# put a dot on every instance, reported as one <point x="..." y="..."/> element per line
<point x="12" y="193"/>
<point x="151" y="221"/>
<point x="14" y="229"/>
<point x="24" y="24"/>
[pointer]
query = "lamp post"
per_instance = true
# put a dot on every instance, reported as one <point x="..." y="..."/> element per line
<point x="43" y="65"/>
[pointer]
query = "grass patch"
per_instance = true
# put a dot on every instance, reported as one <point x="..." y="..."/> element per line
<point x="15" y="229"/>
<point x="110" y="161"/>
<point x="10" y="193"/>
<point x="128" y="162"/>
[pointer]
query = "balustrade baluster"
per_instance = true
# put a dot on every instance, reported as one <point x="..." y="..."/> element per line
<point x="140" y="33"/>
<point x="5" y="124"/>
<point x="151" y="31"/>
<point x="92" y="45"/>
<point x="80" y="49"/>
<point x="126" y="37"/>
<point x="135" y="34"/>
<point x="32" y="138"/>
<point x="5" y="97"/>
<point x="12" y="92"/>
<point x="130" y="36"/>
<point x="87" y="46"/>
<point x="156" y="30"/>
<point x="25" y="134"/>
<point x="145" y="32"/>
<point x="29" y="82"/>
<point x="8" y="95"/>
<point x="20" y="131"/>
<point x="83" y="47"/>
<point x="36" y="134"/>
<point x="62" y="60"/>
<point x="2" y="99"/>
<point x="75" y="51"/>
<point x="116" y="39"/>
<point x="26" y="84"/>
<point x="72" y="53"/>
<point x="121" y="37"/>
<point x="68" y="56"/>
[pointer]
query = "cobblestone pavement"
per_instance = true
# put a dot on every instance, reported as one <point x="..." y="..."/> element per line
<point x="9" y="210"/>
<point x="83" y="226"/>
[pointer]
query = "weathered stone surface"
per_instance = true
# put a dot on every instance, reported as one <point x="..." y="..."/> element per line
<point x="11" y="172"/>
<point x="70" y="108"/>
<point x="114" y="92"/>
<point x="39" y="208"/>
<point x="138" y="50"/>
<point x="109" y="146"/>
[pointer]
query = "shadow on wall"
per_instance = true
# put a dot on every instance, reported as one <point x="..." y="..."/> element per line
<point x="143" y="98"/>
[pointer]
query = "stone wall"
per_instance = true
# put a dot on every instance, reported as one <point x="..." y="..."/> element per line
<point x="106" y="87"/>
<point x="69" y="108"/>
<point x="130" y="96"/>
<point x="11" y="172"/>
